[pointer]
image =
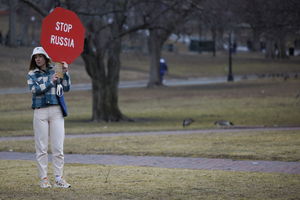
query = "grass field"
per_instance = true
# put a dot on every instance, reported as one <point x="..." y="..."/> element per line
<point x="264" y="102"/>
<point x="254" y="145"/>
<point x="248" y="103"/>
<point x="111" y="182"/>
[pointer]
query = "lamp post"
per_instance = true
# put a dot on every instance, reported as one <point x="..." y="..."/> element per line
<point x="230" y="75"/>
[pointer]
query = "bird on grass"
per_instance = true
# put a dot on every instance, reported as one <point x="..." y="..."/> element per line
<point x="187" y="122"/>
<point x="223" y="123"/>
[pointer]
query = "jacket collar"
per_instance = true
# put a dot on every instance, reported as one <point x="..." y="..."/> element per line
<point x="49" y="67"/>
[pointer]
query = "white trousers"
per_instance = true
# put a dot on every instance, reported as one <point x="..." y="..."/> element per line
<point x="49" y="122"/>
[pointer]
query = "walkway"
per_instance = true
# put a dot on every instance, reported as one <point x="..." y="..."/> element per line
<point x="170" y="162"/>
<point x="143" y="83"/>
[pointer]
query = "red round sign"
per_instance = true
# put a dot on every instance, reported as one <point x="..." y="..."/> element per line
<point x="62" y="35"/>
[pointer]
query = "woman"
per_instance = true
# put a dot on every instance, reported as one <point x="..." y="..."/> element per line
<point x="47" y="118"/>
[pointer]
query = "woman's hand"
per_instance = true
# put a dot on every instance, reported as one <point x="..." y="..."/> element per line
<point x="54" y="78"/>
<point x="65" y="67"/>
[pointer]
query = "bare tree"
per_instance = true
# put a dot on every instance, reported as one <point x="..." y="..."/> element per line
<point x="23" y="21"/>
<point x="12" y="36"/>
<point x="281" y="18"/>
<point x="106" y="22"/>
<point x="251" y="13"/>
<point x="272" y="21"/>
<point x="164" y="18"/>
<point x="214" y="17"/>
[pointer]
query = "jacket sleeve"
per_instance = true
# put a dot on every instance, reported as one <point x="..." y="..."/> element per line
<point x="38" y="87"/>
<point x="66" y="83"/>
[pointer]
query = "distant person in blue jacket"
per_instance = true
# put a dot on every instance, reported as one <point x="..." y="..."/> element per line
<point x="163" y="69"/>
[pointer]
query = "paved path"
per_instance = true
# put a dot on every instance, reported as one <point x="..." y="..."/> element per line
<point x="143" y="83"/>
<point x="170" y="162"/>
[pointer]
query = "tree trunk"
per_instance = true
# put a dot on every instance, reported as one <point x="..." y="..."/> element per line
<point x="214" y="38"/>
<point x="220" y="39"/>
<point x="270" y="48"/>
<point x="276" y="47"/>
<point x="105" y="81"/>
<point x="282" y="48"/>
<point x="12" y="36"/>
<point x="155" y="47"/>
<point x="255" y="41"/>
<point x="105" y="103"/>
<point x="24" y="34"/>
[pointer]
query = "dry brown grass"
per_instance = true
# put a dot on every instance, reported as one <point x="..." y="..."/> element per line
<point x="251" y="145"/>
<point x="141" y="183"/>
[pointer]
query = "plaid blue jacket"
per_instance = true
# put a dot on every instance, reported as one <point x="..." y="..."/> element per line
<point x="43" y="89"/>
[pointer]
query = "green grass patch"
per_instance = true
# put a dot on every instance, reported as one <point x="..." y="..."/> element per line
<point x="252" y="145"/>
<point x="248" y="103"/>
<point x="112" y="182"/>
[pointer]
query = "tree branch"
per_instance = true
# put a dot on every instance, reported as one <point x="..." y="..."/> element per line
<point x="36" y="7"/>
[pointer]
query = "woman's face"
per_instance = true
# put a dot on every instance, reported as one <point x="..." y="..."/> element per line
<point x="40" y="60"/>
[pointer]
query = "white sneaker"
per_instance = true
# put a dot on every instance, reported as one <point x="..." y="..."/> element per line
<point x="62" y="184"/>
<point x="44" y="183"/>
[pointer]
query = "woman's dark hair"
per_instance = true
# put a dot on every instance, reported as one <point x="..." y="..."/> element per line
<point x="33" y="65"/>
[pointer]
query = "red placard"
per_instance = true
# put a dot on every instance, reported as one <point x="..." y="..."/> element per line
<point x="62" y="35"/>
